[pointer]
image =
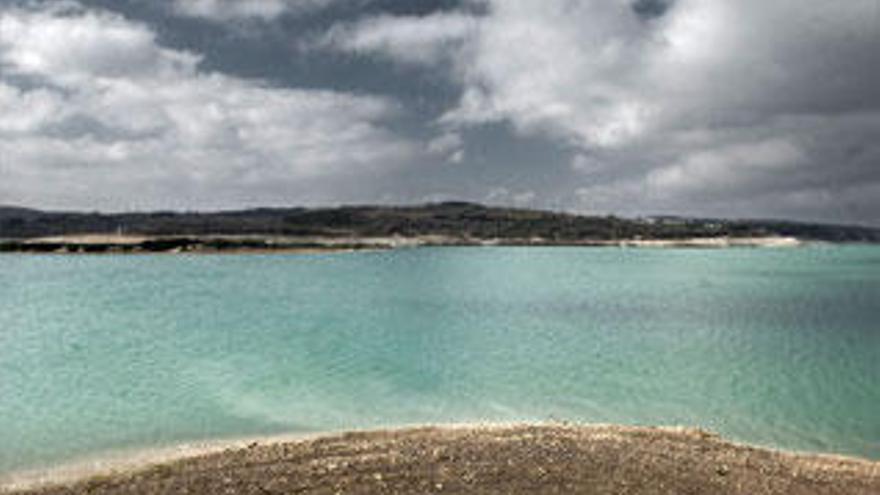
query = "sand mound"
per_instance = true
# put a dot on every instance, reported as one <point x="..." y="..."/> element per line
<point x="501" y="459"/>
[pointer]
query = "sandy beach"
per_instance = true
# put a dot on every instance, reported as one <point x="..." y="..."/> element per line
<point x="492" y="459"/>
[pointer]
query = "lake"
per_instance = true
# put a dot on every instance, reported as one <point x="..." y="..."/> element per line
<point x="774" y="347"/>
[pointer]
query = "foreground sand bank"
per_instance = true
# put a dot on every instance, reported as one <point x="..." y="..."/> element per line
<point x="496" y="459"/>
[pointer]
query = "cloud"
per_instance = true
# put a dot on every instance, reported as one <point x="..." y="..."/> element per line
<point x="98" y="114"/>
<point x="426" y="39"/>
<point x="523" y="62"/>
<point x="650" y="9"/>
<point x="668" y="94"/>
<point x="559" y="69"/>
<point x="65" y="42"/>
<point x="585" y="164"/>
<point x="745" y="108"/>
<point x="450" y="146"/>
<point x="237" y="10"/>
<point x="728" y="168"/>
<point x="813" y="167"/>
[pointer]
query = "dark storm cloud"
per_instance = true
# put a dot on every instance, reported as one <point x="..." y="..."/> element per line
<point x="650" y="9"/>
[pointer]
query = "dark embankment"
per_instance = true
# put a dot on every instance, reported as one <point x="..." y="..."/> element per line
<point x="509" y="460"/>
<point x="181" y="244"/>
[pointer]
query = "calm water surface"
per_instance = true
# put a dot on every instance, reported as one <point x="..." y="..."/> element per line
<point x="773" y="347"/>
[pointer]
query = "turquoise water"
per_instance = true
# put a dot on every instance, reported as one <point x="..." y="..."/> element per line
<point x="772" y="347"/>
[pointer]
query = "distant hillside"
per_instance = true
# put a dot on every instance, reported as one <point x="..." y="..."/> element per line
<point x="452" y="219"/>
<point x="16" y="212"/>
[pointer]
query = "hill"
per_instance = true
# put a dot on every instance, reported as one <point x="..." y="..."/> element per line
<point x="449" y="219"/>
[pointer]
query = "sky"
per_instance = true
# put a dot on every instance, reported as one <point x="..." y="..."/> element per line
<point x="745" y="108"/>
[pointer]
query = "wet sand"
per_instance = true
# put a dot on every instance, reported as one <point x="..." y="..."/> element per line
<point x="523" y="459"/>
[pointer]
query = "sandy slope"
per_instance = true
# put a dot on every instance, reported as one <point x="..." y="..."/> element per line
<point x="500" y="459"/>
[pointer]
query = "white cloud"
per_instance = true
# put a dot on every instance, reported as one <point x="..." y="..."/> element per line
<point x="69" y="45"/>
<point x="235" y="10"/>
<point x="456" y="157"/>
<point x="449" y="146"/>
<point x="24" y="111"/>
<point x="445" y="143"/>
<point x="557" y="68"/>
<point x="425" y="39"/>
<point x="98" y="114"/>
<point x="597" y="75"/>
<point x="525" y="62"/>
<point x="729" y="167"/>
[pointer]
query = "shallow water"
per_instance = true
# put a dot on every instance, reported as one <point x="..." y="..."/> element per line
<point x="772" y="347"/>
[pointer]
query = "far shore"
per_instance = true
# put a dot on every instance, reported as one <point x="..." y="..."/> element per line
<point x="261" y="244"/>
<point x="525" y="458"/>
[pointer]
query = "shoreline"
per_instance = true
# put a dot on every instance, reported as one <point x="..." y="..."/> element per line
<point x="385" y="451"/>
<point x="216" y="244"/>
<point x="122" y="461"/>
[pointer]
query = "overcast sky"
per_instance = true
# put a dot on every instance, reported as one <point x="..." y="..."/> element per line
<point x="735" y="108"/>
